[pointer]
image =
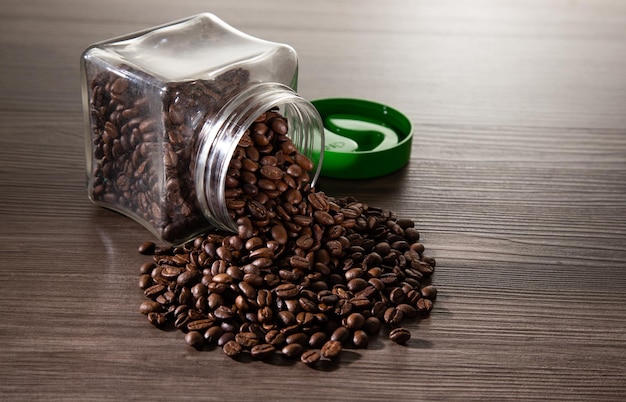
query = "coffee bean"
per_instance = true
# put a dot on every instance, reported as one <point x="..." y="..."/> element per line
<point x="287" y="291"/>
<point x="247" y="339"/>
<point x="298" y="337"/>
<point x="393" y="316"/>
<point x="293" y="350"/>
<point x="275" y="338"/>
<point x="305" y="163"/>
<point x="154" y="290"/>
<point x="397" y="296"/>
<point x="319" y="201"/>
<point x="360" y="339"/>
<point x="323" y="218"/>
<point x="194" y="339"/>
<point x="310" y="357"/>
<point x="212" y="334"/>
<point x="200" y="325"/>
<point x="279" y="233"/>
<point x="317" y="339"/>
<point x="262" y="351"/>
<point x="224" y="313"/>
<point x="354" y="321"/>
<point x="157" y="319"/>
<point x="341" y="334"/>
<point x="147" y="247"/>
<point x="232" y="348"/>
<point x="400" y="335"/>
<point x="429" y="292"/>
<point x="408" y="311"/>
<point x="150" y="307"/>
<point x="279" y="126"/>
<point x="424" y="305"/>
<point x="145" y="281"/>
<point x="331" y="349"/>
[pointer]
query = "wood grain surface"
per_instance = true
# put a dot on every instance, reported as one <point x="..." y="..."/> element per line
<point x="517" y="182"/>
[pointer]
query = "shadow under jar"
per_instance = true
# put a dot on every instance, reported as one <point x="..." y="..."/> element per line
<point x="165" y="110"/>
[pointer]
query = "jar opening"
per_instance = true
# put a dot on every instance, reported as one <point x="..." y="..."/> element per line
<point x="219" y="137"/>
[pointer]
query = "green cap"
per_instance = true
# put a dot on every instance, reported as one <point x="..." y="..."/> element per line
<point x="363" y="139"/>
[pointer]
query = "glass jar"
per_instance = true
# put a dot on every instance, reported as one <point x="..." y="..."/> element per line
<point x="165" y="109"/>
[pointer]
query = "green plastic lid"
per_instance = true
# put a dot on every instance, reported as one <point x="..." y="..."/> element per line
<point x="363" y="139"/>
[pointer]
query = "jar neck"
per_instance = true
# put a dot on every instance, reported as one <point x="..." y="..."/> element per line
<point x="221" y="134"/>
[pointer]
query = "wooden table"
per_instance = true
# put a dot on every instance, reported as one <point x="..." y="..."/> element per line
<point x="517" y="182"/>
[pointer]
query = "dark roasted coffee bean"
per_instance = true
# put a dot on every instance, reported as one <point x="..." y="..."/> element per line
<point x="310" y="357"/>
<point x="146" y="268"/>
<point x="323" y="218"/>
<point x="247" y="339"/>
<point x="422" y="267"/>
<point x="287" y="318"/>
<point x="150" y="307"/>
<point x="265" y="315"/>
<point x="429" y="292"/>
<point x="287" y="291"/>
<point x="181" y="321"/>
<point x="305" y="318"/>
<point x="305" y="163"/>
<point x="157" y="319"/>
<point x="271" y="172"/>
<point x="232" y="348"/>
<point x="279" y="126"/>
<point x="194" y="339"/>
<point x="354" y="321"/>
<point x="275" y="338"/>
<point x="223" y="313"/>
<point x="331" y="349"/>
<point x="200" y="325"/>
<point x="408" y="311"/>
<point x="341" y="334"/>
<point x="308" y="305"/>
<point x="317" y="339"/>
<point x="360" y="339"/>
<point x="212" y="334"/>
<point x="293" y="350"/>
<point x="412" y="234"/>
<point x="430" y="261"/>
<point x="357" y="284"/>
<point x="147" y="248"/>
<point x="400" y="335"/>
<point x="262" y="351"/>
<point x="279" y="233"/>
<point x="299" y="262"/>
<point x="154" y="290"/>
<point x="226" y="337"/>
<point x="188" y="278"/>
<point x="319" y="201"/>
<point x="424" y="305"/>
<point x="393" y="316"/>
<point x="397" y="296"/>
<point x="298" y="337"/>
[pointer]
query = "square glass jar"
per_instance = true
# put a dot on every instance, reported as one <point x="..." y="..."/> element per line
<point x="164" y="109"/>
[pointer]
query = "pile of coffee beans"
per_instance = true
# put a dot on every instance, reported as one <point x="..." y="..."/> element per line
<point x="144" y="165"/>
<point x="307" y="274"/>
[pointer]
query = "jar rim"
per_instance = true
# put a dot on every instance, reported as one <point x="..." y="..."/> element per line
<point x="219" y="137"/>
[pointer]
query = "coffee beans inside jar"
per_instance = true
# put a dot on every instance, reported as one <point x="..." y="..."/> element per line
<point x="306" y="275"/>
<point x="144" y="165"/>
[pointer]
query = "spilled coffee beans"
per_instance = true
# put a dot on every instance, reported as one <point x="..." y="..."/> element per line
<point x="306" y="276"/>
